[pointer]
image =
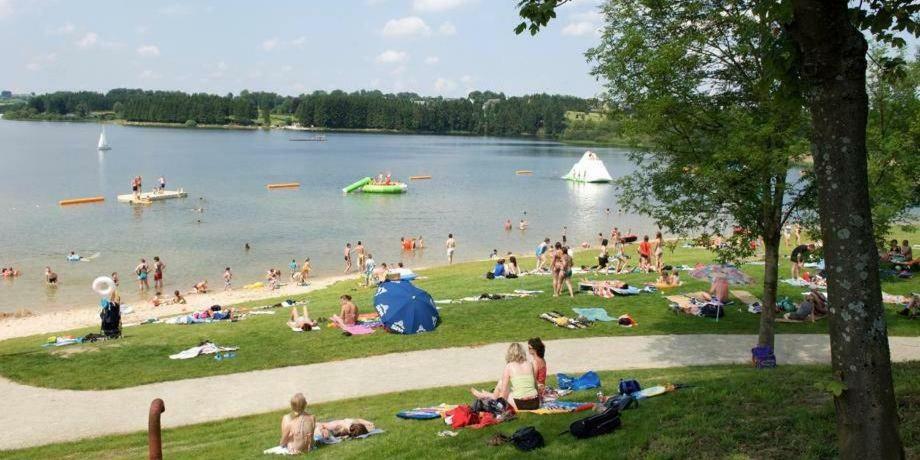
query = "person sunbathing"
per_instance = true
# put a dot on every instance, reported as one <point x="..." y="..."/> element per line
<point x="297" y="427"/>
<point x="517" y="385"/>
<point x="177" y="298"/>
<point x="302" y="322"/>
<point x="346" y="427"/>
<point x="348" y="315"/>
<point x="718" y="290"/>
<point x="814" y="303"/>
<point x="201" y="287"/>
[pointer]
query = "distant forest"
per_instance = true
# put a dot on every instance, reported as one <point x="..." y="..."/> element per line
<point x="481" y="112"/>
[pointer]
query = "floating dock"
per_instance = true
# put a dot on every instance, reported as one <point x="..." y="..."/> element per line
<point x="523" y="172"/>
<point x="283" y="185"/>
<point x="148" y="197"/>
<point x="92" y="199"/>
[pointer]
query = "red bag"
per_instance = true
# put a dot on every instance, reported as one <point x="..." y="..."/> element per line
<point x="462" y="416"/>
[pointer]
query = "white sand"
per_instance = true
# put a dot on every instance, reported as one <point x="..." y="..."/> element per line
<point x="88" y="316"/>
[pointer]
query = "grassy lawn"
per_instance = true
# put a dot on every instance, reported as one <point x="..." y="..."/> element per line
<point x="142" y="355"/>
<point x="732" y="412"/>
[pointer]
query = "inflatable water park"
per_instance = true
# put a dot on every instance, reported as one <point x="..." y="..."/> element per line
<point x="368" y="185"/>
<point x="589" y="169"/>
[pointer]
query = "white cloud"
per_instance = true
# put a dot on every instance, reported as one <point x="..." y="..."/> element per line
<point x="148" y="51"/>
<point x="148" y="75"/>
<point x="41" y="61"/>
<point x="406" y="27"/>
<point x="447" y="28"/>
<point x="444" y="85"/>
<point x="431" y="60"/>
<point x="286" y="68"/>
<point x="299" y="41"/>
<point x="6" y="8"/>
<point x="177" y="9"/>
<point x="392" y="57"/>
<point x="577" y="29"/>
<point x="65" y="29"/>
<point x="88" y="40"/>
<point x="437" y="5"/>
<point x="270" y="44"/>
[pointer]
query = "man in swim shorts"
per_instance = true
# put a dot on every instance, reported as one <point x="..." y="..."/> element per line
<point x="362" y="254"/>
<point x="158" y="267"/>
<point x="347" y="252"/>
<point x="451" y="247"/>
<point x="228" y="277"/>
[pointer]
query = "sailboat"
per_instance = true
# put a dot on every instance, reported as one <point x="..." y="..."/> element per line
<point x="103" y="144"/>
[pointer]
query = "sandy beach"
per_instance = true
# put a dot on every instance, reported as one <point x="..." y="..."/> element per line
<point x="88" y="316"/>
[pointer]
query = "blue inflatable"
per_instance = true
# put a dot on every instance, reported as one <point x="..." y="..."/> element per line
<point x="404" y="308"/>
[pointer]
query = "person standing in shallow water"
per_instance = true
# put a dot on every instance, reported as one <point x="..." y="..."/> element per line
<point x="141" y="271"/>
<point x="158" y="267"/>
<point x="361" y="253"/>
<point x="347" y="253"/>
<point x="451" y="245"/>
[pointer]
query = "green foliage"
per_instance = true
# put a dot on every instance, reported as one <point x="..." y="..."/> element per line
<point x="191" y="124"/>
<point x="833" y="387"/>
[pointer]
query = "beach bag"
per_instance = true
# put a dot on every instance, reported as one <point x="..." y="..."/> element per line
<point x="629" y="386"/>
<point x="527" y="439"/>
<point x="621" y="402"/>
<point x="763" y="357"/>
<point x="712" y="311"/>
<point x="490" y="275"/>
<point x="111" y="320"/>
<point x="589" y="380"/>
<point x="596" y="425"/>
<point x="494" y="406"/>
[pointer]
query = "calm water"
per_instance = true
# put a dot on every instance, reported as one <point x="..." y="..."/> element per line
<point x="473" y="191"/>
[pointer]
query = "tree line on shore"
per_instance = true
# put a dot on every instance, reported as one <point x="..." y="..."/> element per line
<point x="481" y="112"/>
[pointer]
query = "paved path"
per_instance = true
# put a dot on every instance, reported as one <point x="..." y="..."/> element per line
<point x="64" y="415"/>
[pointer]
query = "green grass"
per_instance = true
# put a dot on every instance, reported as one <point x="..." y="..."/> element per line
<point x="264" y="341"/>
<point x="732" y="412"/>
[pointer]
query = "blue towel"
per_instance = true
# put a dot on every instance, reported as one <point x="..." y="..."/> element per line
<point x="593" y="314"/>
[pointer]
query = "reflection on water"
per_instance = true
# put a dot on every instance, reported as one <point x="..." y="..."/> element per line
<point x="473" y="190"/>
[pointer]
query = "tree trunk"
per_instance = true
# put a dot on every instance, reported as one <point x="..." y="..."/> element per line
<point x="833" y="54"/>
<point x="770" y="279"/>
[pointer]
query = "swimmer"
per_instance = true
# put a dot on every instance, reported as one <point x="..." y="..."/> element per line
<point x="51" y="277"/>
<point x="522" y="225"/>
<point x="508" y="225"/>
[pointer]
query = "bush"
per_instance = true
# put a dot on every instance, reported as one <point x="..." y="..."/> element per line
<point x="191" y="124"/>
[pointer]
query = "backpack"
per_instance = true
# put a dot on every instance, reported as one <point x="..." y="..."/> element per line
<point x="490" y="275"/>
<point x="763" y="357"/>
<point x="527" y="439"/>
<point x="629" y="386"/>
<point x="712" y="311"/>
<point x="621" y="403"/>
<point x="596" y="424"/>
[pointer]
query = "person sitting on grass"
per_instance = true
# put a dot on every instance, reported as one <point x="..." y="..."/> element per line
<point x="907" y="252"/>
<point x="201" y="287"/>
<point x="302" y="322"/>
<point x="511" y="267"/>
<point x="718" y="290"/>
<point x="348" y="315"/>
<point x="297" y="427"/>
<point x="668" y="279"/>
<point x="498" y="270"/>
<point x="814" y="303"/>
<point x="517" y="385"/>
<point x="912" y="309"/>
<point x="536" y="349"/>
<point x="346" y="427"/>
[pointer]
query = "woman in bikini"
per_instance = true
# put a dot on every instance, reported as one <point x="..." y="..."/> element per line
<point x="302" y="322"/>
<point x="346" y="427"/>
<point x="557" y="264"/>
<point x="659" y="252"/>
<point x="536" y="349"/>
<point x="297" y="427"/>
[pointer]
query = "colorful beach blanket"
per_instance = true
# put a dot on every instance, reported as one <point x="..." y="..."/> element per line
<point x="560" y="407"/>
<point x="426" y="413"/>
<point x="593" y="314"/>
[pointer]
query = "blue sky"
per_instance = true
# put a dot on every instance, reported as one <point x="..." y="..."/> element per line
<point x="432" y="47"/>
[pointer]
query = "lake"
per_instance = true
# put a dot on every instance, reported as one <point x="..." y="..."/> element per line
<point x="474" y="189"/>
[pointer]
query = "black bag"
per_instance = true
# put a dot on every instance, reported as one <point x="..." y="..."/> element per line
<point x="596" y="425"/>
<point x="527" y="439"/>
<point x="712" y="311"/>
<point x="111" y="320"/>
<point x="621" y="402"/>
<point x="495" y="406"/>
<point x="490" y="275"/>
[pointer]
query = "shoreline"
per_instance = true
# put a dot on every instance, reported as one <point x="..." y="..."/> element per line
<point x="88" y="316"/>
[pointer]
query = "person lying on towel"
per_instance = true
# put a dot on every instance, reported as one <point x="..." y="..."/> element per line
<point x="814" y="303"/>
<point x="347" y="427"/>
<point x="302" y="322"/>
<point x="517" y="385"/>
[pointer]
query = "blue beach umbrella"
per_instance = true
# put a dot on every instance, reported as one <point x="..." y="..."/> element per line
<point x="404" y="308"/>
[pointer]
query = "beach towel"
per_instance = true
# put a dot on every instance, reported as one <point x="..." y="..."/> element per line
<point x="628" y="291"/>
<point x="593" y="314"/>
<point x="586" y="381"/>
<point x="207" y="348"/>
<point x="754" y="305"/>
<point x="560" y="320"/>
<point x="560" y="407"/>
<point x="798" y="282"/>
<point x="297" y="329"/>
<point x="277" y="450"/>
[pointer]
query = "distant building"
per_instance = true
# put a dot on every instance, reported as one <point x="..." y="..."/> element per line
<point x="6" y="94"/>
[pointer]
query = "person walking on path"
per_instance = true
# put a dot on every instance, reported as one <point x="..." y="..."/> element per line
<point x="451" y="245"/>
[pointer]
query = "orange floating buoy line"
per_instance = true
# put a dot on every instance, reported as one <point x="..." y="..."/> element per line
<point x="521" y="172"/>
<point x="283" y="185"/>
<point x="92" y="199"/>
<point x="419" y="177"/>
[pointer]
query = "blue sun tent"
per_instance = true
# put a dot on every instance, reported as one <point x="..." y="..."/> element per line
<point x="404" y="308"/>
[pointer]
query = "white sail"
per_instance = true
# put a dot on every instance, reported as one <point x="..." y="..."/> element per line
<point x="103" y="143"/>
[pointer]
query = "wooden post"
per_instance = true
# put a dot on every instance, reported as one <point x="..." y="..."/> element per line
<point x="154" y="440"/>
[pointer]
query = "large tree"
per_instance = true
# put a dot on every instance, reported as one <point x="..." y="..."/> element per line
<point x="829" y="61"/>
<point x="698" y="80"/>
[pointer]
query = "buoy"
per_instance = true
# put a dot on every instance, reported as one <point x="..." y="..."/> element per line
<point x="522" y="172"/>
<point x="92" y="199"/>
<point x="419" y="177"/>
<point x="283" y="185"/>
